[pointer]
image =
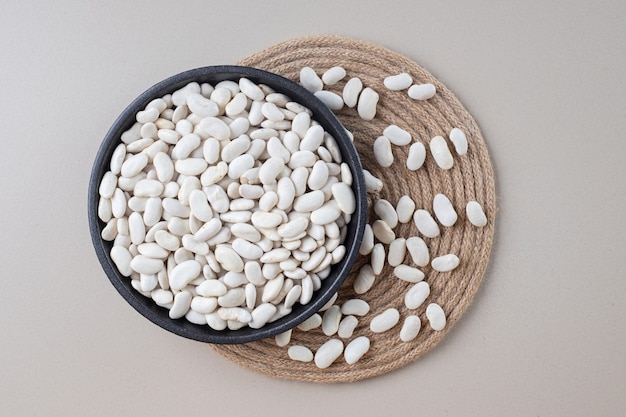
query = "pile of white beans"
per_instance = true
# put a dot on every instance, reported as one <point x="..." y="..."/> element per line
<point x="226" y="204"/>
<point x="380" y="242"/>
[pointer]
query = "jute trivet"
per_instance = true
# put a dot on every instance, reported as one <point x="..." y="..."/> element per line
<point x="471" y="178"/>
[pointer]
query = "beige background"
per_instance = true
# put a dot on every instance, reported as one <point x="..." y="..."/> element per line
<point x="547" y="332"/>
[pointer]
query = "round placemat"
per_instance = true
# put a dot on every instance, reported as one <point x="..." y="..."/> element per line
<point x="471" y="178"/>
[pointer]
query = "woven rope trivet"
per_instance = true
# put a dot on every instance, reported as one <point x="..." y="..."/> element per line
<point x="471" y="178"/>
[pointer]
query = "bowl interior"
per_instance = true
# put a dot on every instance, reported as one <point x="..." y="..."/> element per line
<point x="330" y="285"/>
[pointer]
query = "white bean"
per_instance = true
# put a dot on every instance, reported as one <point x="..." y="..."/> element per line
<point x="436" y="316"/>
<point x="203" y="305"/>
<point x="416" y="295"/>
<point x="410" y="328"/>
<point x="475" y="214"/>
<point x="368" y="100"/>
<point x="397" y="251"/>
<point x="385" y="320"/>
<point x="312" y="140"/>
<point x="445" y="263"/>
<point x="233" y="298"/>
<point x="270" y="170"/>
<point x="372" y="184"/>
<point x="282" y="339"/>
<point x="329" y="212"/>
<point x="397" y="135"/>
<point x="200" y="206"/>
<point x="364" y="280"/>
<point x="250" y="89"/>
<point x="182" y="303"/>
<point x="459" y="140"/>
<point x="213" y="127"/>
<point x="137" y="228"/>
<point x="333" y="75"/>
<point x="107" y="185"/>
<point x="347" y="326"/>
<point x="236" y="314"/>
<point x="310" y="80"/>
<point x="211" y="288"/>
<point x="145" y="265"/>
<point x="272" y="288"/>
<point x="408" y="273"/>
<point x="202" y="106"/>
<point x="191" y="166"/>
<point x="351" y="91"/>
<point x="162" y="297"/>
<point x="383" y="232"/>
<point x="167" y="240"/>
<point x="386" y="212"/>
<point x="272" y="112"/>
<point x="378" y="258"/>
<point x="398" y="82"/>
<point x="367" y="243"/>
<point x="218" y="198"/>
<point x="441" y="153"/>
<point x="235" y="148"/>
<point x="425" y="223"/>
<point x="133" y="165"/>
<point x="122" y="259"/>
<point x="293" y="228"/>
<point x="215" y="321"/>
<point x="444" y="210"/>
<point x="330" y="320"/>
<point x="164" y="167"/>
<point x="416" y="157"/>
<point x="356" y="307"/>
<point x="211" y="150"/>
<point x="311" y="323"/>
<point x="208" y="230"/>
<point x="332" y="100"/>
<point x="246" y="249"/>
<point x="228" y="258"/>
<point x="328" y="353"/>
<point x="422" y="91"/>
<point x="117" y="159"/>
<point x="356" y="349"/>
<point x="293" y="295"/>
<point x="418" y="250"/>
<point x="318" y="176"/>
<point x="301" y="124"/>
<point x="261" y="315"/>
<point x="308" y="202"/>
<point x="183" y="274"/>
<point x="405" y="209"/>
<point x="184" y="146"/>
<point x="300" y="353"/>
<point x="382" y="152"/>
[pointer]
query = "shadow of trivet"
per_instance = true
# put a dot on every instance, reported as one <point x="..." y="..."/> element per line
<point x="471" y="178"/>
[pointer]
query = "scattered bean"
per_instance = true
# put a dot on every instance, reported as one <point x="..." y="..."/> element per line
<point x="398" y="82"/>
<point x="475" y="214"/>
<point x="436" y="316"/>
<point x="422" y="91"/>
<point x="385" y="320"/>
<point x="356" y="349"/>
<point x="445" y="263"/>
<point x="410" y="328"/>
<point x="328" y="353"/>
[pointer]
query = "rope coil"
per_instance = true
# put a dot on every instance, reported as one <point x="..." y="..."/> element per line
<point x="471" y="178"/>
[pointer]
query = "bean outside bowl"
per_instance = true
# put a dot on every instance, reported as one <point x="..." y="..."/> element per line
<point x="159" y="315"/>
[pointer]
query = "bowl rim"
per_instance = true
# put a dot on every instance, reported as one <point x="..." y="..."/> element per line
<point x="321" y="113"/>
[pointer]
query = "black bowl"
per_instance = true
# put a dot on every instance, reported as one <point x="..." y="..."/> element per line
<point x="330" y="285"/>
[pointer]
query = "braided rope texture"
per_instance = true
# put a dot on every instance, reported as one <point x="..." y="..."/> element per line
<point x="471" y="178"/>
